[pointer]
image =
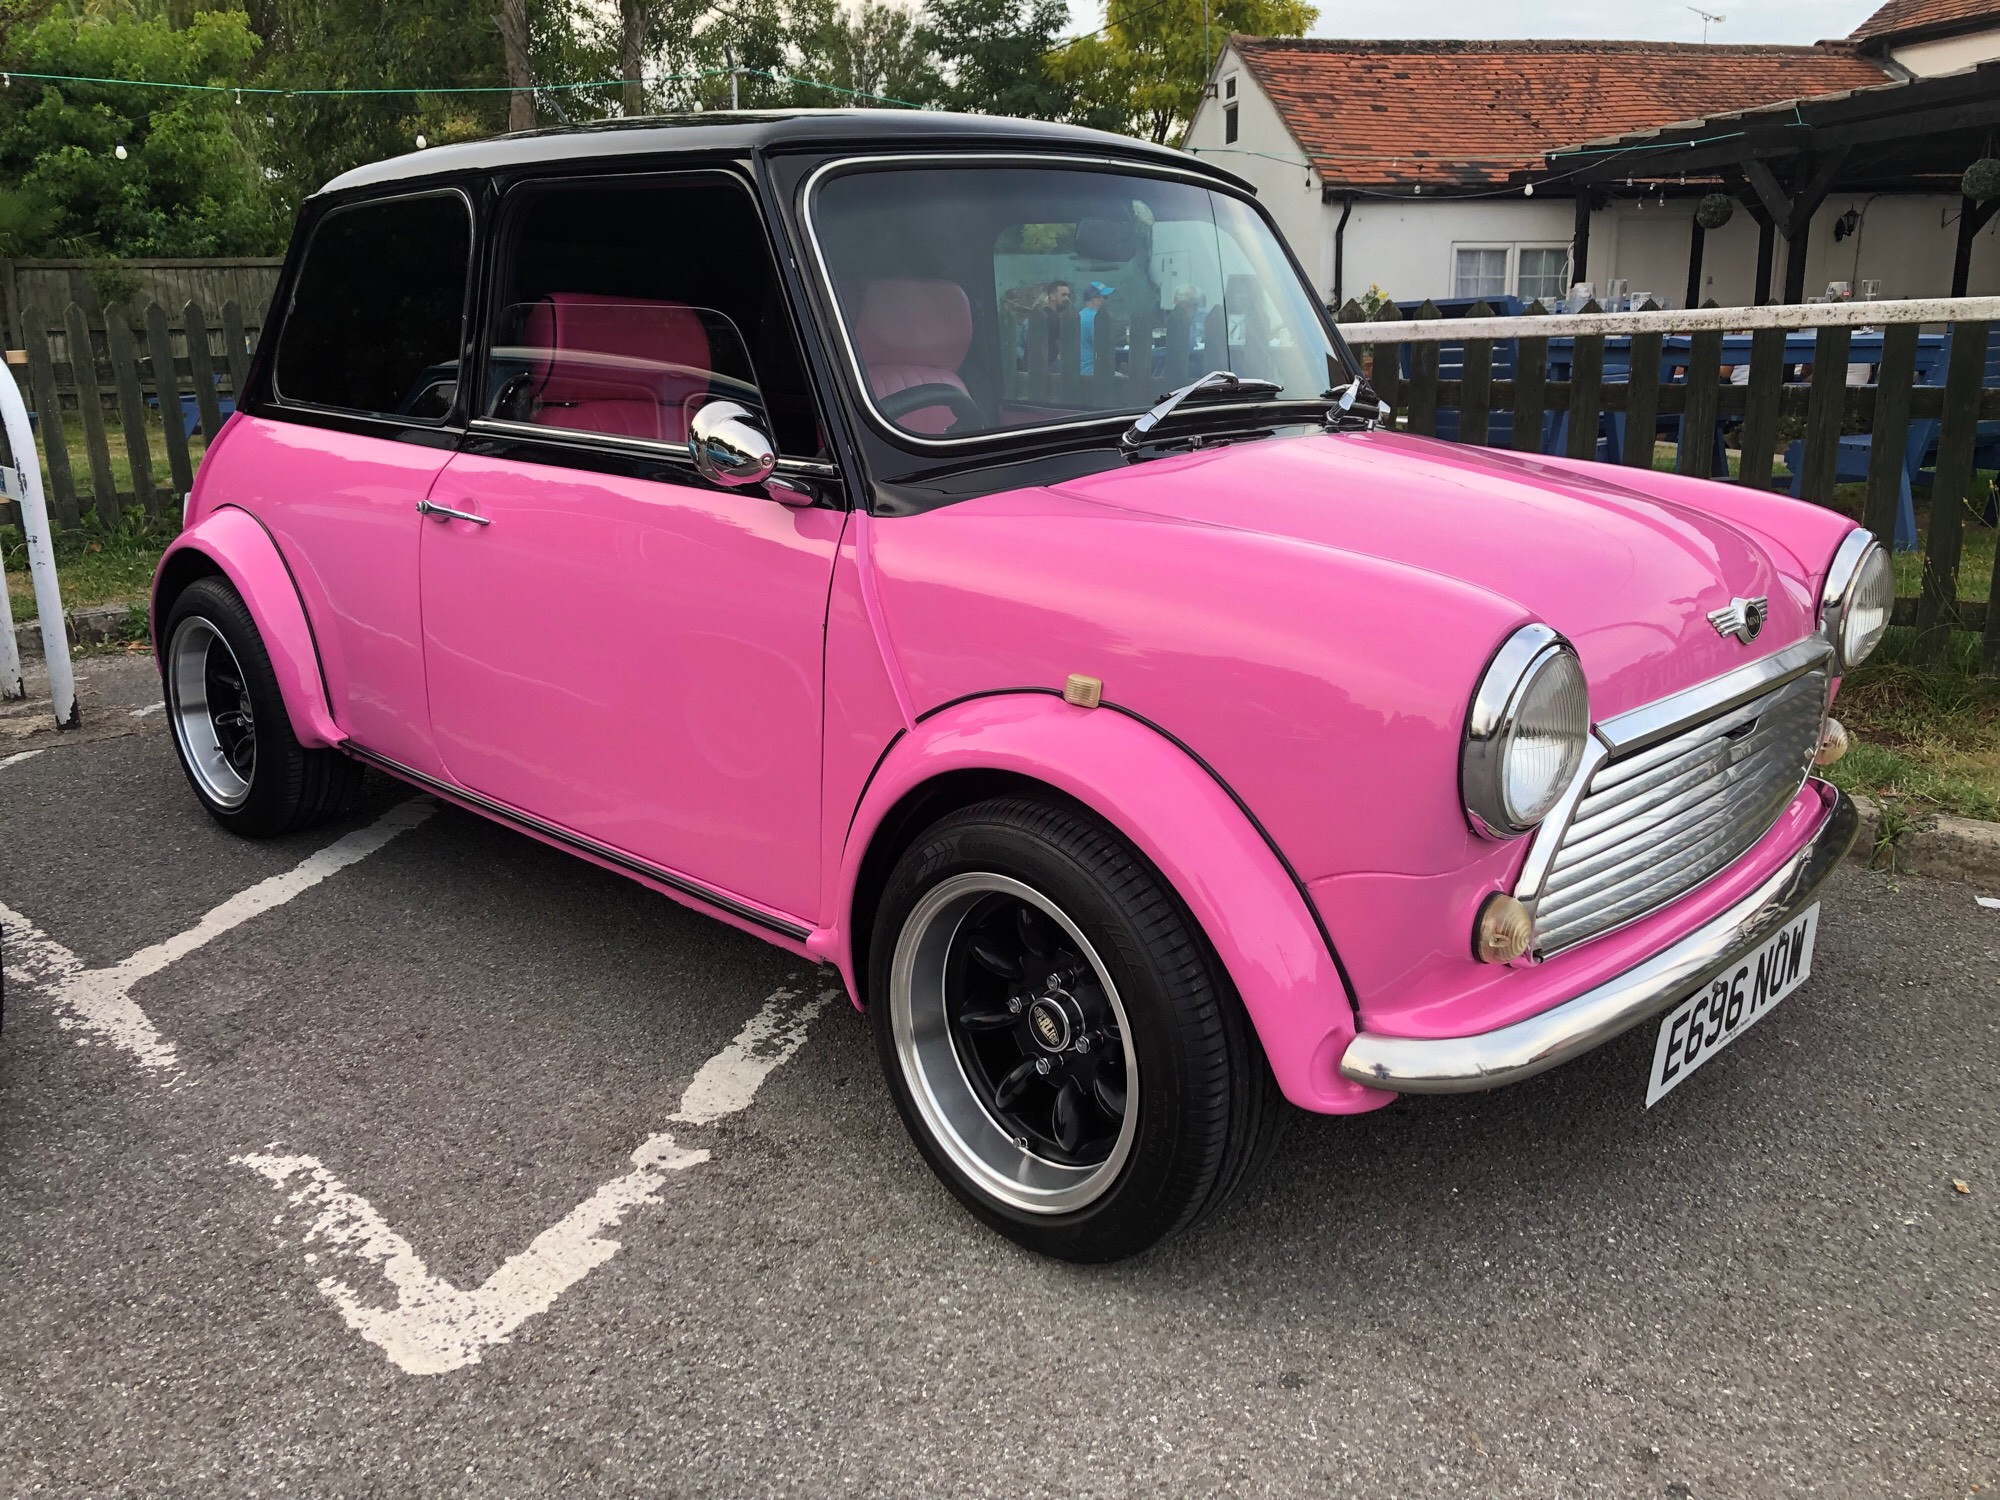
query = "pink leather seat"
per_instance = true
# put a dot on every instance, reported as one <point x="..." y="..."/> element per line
<point x="618" y="365"/>
<point x="914" y="333"/>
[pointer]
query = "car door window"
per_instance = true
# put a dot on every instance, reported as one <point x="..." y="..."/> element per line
<point x="377" y="318"/>
<point x="623" y="307"/>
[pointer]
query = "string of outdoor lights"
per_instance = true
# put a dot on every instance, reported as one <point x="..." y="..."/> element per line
<point x="268" y="91"/>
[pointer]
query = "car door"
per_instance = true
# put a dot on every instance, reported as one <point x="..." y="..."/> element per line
<point x="360" y="416"/>
<point x="615" y="646"/>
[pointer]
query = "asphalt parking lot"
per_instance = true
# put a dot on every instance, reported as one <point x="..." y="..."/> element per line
<point x="410" y="1157"/>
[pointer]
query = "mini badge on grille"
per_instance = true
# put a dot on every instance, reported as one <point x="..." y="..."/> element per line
<point x="1742" y="618"/>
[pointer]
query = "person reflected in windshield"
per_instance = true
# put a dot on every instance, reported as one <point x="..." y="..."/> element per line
<point x="976" y="298"/>
<point x="1094" y="298"/>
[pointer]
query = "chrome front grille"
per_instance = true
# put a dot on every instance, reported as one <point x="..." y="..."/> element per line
<point x="1655" y="822"/>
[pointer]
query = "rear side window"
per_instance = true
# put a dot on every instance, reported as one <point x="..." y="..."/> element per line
<point x="378" y="315"/>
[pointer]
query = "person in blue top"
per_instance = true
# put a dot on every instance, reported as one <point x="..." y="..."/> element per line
<point x="1093" y="298"/>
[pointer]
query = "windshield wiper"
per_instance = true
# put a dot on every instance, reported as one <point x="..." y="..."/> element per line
<point x="1222" y="382"/>
<point x="1343" y="415"/>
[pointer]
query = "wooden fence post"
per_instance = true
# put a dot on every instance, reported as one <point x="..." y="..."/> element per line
<point x="1475" y="400"/>
<point x="201" y="370"/>
<point x="1890" y="428"/>
<point x="90" y="404"/>
<point x="1586" y="391"/>
<point x="167" y="387"/>
<point x="1104" y="332"/>
<point x="1424" y="380"/>
<point x="238" y="351"/>
<point x="1760" y="407"/>
<point x="1531" y="387"/>
<point x="1697" y="453"/>
<point x="1937" y="606"/>
<point x="49" y="421"/>
<point x="1642" y="397"/>
<point x="1387" y="360"/>
<point x="1823" y="413"/>
<point x="131" y="407"/>
<point x="1069" y="356"/>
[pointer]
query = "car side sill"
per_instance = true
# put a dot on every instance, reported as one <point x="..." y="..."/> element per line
<point x="1449" y="1065"/>
<point x="500" y="811"/>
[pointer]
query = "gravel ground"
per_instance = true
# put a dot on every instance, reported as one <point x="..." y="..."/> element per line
<point x="1766" y="1285"/>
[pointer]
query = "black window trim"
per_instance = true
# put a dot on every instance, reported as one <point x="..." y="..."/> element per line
<point x="452" y="421"/>
<point x="510" y="196"/>
<point x="849" y="361"/>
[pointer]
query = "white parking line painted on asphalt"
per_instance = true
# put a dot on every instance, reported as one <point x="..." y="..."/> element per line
<point x="18" y="757"/>
<point x="434" y="1327"/>
<point x="99" y="1002"/>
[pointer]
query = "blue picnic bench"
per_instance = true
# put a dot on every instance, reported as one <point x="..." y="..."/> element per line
<point x="1920" y="449"/>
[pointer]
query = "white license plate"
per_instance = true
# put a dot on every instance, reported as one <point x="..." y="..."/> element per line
<point x="1734" y="1001"/>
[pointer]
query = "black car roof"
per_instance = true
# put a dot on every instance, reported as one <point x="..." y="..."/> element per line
<point x="746" y="131"/>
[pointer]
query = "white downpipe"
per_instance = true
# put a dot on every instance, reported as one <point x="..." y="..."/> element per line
<point x="41" y="552"/>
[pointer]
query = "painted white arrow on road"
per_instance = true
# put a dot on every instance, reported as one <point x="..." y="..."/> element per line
<point x="433" y="1327"/>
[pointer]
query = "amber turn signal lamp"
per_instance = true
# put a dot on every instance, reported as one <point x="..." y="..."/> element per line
<point x="1504" y="930"/>
<point x="1832" y="743"/>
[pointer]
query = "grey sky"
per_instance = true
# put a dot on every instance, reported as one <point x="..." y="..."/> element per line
<point x="1795" y="21"/>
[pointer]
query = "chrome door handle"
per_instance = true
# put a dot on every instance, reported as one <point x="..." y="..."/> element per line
<point x="425" y="508"/>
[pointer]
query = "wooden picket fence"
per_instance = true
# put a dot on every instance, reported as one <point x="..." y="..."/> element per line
<point x="129" y="377"/>
<point x="1430" y="365"/>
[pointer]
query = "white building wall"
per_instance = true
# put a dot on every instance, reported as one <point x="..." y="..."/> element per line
<point x="1265" y="153"/>
<point x="1406" y="245"/>
<point x="1948" y="56"/>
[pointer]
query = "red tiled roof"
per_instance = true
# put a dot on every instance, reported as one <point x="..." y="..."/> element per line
<point x="1901" y="17"/>
<point x="1456" y="113"/>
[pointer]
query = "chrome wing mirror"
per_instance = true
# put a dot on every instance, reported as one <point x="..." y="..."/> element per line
<point x="729" y="446"/>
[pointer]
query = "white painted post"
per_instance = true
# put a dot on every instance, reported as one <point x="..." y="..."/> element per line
<point x="41" y="552"/>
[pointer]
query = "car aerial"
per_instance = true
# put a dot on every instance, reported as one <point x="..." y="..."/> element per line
<point x="1151" y="737"/>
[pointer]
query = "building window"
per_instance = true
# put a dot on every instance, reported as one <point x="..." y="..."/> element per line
<point x="1229" y="125"/>
<point x="1229" y="88"/>
<point x="1481" y="272"/>
<point x="1544" y="273"/>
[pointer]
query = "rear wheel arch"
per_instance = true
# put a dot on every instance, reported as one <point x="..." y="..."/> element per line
<point x="234" y="545"/>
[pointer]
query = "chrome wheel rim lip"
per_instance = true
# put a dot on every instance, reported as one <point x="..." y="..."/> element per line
<point x="193" y="715"/>
<point x="979" y="1144"/>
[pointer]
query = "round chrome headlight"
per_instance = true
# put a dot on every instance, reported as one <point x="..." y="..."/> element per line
<point x="1859" y="597"/>
<point x="1525" y="734"/>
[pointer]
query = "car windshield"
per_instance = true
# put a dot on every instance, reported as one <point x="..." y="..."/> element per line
<point x="981" y="299"/>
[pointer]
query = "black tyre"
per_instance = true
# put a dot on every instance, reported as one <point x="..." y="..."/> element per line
<point x="230" y="727"/>
<point x="1060" y="1042"/>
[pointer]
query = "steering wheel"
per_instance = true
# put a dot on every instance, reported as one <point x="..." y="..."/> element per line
<point x="913" y="398"/>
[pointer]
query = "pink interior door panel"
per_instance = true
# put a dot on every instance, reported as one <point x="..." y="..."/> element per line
<point x="636" y="661"/>
<point x="342" y="508"/>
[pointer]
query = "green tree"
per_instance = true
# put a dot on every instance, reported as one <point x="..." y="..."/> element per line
<point x="364" y="44"/>
<point x="110" y="169"/>
<point x="995" y="56"/>
<point x="1142" y="73"/>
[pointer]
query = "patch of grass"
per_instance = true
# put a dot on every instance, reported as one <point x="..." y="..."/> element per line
<point x="1926" y="739"/>
<point x="93" y="565"/>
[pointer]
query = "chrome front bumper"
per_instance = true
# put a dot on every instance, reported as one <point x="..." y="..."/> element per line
<point x="1457" y="1064"/>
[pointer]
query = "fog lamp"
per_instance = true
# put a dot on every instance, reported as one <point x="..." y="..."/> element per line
<point x="1504" y="930"/>
<point x="1832" y="742"/>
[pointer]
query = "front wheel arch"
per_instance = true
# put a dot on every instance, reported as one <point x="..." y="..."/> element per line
<point x="1162" y="802"/>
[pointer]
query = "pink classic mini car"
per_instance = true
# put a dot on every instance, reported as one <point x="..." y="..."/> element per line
<point x="962" y="552"/>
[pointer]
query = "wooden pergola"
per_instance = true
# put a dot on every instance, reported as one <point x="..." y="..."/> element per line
<point x="1782" y="160"/>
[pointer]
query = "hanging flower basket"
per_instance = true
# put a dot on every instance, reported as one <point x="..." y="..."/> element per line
<point x="1981" y="182"/>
